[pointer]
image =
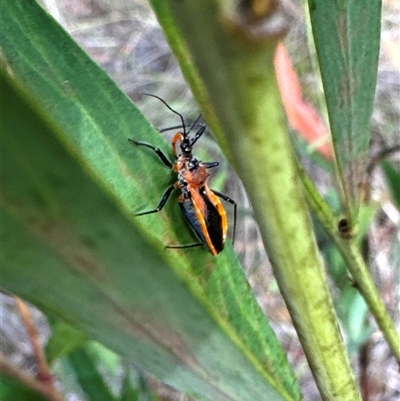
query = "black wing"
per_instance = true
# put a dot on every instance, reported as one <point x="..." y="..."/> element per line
<point x="211" y="230"/>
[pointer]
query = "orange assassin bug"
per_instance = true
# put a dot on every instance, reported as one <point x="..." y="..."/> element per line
<point x="199" y="203"/>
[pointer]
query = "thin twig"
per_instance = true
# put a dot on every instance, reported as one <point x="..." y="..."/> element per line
<point x="44" y="373"/>
<point x="9" y="369"/>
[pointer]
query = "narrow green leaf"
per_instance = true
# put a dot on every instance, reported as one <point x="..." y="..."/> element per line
<point x="64" y="339"/>
<point x="107" y="360"/>
<point x="13" y="390"/>
<point x="135" y="387"/>
<point x="350" y="305"/>
<point x="347" y="37"/>
<point x="393" y="179"/>
<point x="88" y="376"/>
<point x="74" y="254"/>
<point x="358" y="327"/>
<point x="70" y="186"/>
<point x="130" y="390"/>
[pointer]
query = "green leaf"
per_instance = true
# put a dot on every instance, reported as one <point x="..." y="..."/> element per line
<point x="71" y="183"/>
<point x="64" y="339"/>
<point x="135" y="387"/>
<point x="350" y="305"/>
<point x="107" y="360"/>
<point x="358" y="327"/>
<point x="88" y="376"/>
<point x="13" y="390"/>
<point x="347" y="37"/>
<point x="393" y="179"/>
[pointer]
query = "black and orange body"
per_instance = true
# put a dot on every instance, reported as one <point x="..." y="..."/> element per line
<point x="200" y="205"/>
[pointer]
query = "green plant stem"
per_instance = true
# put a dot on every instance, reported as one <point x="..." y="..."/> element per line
<point x="238" y="73"/>
<point x="350" y="252"/>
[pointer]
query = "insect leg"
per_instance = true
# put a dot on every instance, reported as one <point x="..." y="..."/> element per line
<point x="195" y="123"/>
<point x="211" y="164"/>
<point x="158" y="151"/>
<point x="199" y="133"/>
<point x="169" y="128"/>
<point x="185" y="246"/>
<point x="176" y="127"/>
<point x="163" y="201"/>
<point x="232" y="202"/>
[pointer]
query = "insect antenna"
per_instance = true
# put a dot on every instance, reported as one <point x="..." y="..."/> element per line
<point x="177" y="127"/>
<point x="194" y="124"/>
<point x="199" y="133"/>
<point x="170" y="108"/>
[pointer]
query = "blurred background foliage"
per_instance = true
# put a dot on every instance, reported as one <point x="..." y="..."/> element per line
<point x="126" y="40"/>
